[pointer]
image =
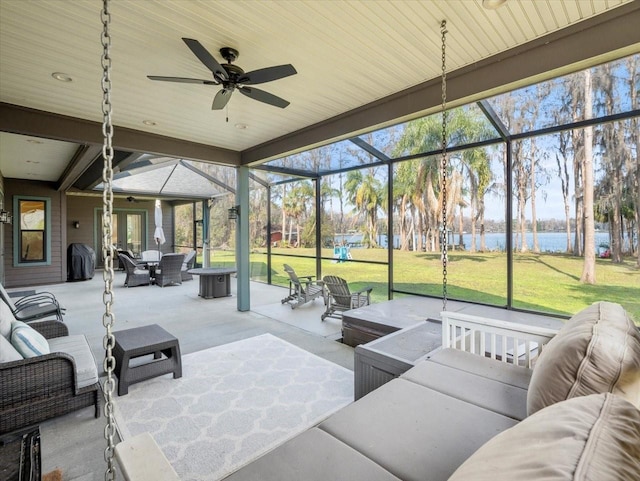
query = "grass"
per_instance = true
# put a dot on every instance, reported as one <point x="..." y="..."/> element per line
<point x="546" y="282"/>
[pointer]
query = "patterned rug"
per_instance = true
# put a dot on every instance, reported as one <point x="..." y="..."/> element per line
<point x="233" y="403"/>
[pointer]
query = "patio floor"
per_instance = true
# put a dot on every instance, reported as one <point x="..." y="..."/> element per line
<point x="74" y="443"/>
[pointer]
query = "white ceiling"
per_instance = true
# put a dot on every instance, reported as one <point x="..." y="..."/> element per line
<point x="347" y="54"/>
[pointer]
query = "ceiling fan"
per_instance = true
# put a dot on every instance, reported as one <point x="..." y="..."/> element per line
<point x="232" y="77"/>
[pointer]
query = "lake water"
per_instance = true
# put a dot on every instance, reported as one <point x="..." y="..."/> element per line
<point x="547" y="241"/>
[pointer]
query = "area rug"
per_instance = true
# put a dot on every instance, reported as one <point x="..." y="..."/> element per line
<point x="233" y="403"/>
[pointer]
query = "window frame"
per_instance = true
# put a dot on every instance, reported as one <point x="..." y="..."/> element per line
<point x="17" y="232"/>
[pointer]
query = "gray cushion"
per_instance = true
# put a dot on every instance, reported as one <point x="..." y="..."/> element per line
<point x="8" y="352"/>
<point x="77" y="347"/>
<point x="597" y="351"/>
<point x="312" y="456"/>
<point x="414" y="432"/>
<point x="6" y="318"/>
<point x="594" y="437"/>
<point x="517" y="376"/>
<point x="493" y="395"/>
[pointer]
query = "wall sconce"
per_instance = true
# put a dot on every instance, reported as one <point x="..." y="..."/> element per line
<point x="234" y="212"/>
<point x="5" y="217"/>
<point x="76" y="224"/>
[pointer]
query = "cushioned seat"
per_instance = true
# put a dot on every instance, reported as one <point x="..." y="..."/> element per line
<point x="390" y="427"/>
<point x="76" y="346"/>
<point x="510" y="374"/>
<point x="586" y="438"/>
<point x="488" y="393"/>
<point x="313" y="456"/>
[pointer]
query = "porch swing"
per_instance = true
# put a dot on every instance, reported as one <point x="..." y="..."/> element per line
<point x="140" y="458"/>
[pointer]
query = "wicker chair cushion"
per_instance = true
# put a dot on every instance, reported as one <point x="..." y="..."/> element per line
<point x="596" y="351"/>
<point x="6" y="318"/>
<point x="8" y="352"/>
<point x="27" y="341"/>
<point x="77" y="347"/>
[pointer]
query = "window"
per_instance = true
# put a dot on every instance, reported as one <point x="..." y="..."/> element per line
<point x="32" y="236"/>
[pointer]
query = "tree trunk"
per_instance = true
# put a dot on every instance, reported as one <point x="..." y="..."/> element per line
<point x="589" y="268"/>
<point x="534" y="219"/>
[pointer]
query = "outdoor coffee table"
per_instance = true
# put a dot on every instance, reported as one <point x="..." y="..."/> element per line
<point x="214" y="281"/>
<point x="144" y="341"/>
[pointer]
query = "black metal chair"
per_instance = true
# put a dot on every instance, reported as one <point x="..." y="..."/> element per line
<point x="169" y="270"/>
<point x="137" y="275"/>
<point x="340" y="298"/>
<point x="38" y="306"/>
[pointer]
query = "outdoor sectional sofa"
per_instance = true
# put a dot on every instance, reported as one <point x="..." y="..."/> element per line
<point x="461" y="416"/>
<point x="44" y="386"/>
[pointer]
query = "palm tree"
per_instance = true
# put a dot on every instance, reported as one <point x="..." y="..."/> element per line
<point x="365" y="193"/>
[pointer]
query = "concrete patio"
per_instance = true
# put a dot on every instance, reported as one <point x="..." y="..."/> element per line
<point x="74" y="443"/>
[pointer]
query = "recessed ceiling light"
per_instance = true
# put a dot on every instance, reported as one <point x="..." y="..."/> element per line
<point x="241" y="126"/>
<point x="62" y="77"/>
<point x="493" y="4"/>
<point x="149" y="122"/>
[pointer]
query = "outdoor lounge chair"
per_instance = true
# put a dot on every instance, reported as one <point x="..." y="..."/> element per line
<point x="39" y="306"/>
<point x="136" y="275"/>
<point x="340" y="298"/>
<point x="302" y="289"/>
<point x="169" y="270"/>
<point x="187" y="264"/>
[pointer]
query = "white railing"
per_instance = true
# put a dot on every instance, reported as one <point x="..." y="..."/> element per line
<point x="504" y="341"/>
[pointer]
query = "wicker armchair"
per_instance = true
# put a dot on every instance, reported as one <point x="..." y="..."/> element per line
<point x="43" y="387"/>
<point x="136" y="275"/>
<point x="169" y="270"/>
<point x="187" y="264"/>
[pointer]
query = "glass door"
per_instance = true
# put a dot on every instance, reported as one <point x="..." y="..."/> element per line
<point x="128" y="231"/>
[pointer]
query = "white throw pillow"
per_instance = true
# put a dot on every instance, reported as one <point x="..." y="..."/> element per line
<point x="7" y="351"/>
<point x="28" y="341"/>
<point x="6" y="318"/>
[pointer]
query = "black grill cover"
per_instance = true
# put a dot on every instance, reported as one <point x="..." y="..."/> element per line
<point x="81" y="262"/>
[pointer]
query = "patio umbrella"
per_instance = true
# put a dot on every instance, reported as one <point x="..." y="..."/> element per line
<point x="159" y="233"/>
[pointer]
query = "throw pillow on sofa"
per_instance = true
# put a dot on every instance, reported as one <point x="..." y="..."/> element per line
<point x="27" y="341"/>
<point x="6" y="318"/>
<point x="588" y="438"/>
<point x="8" y="352"/>
<point x="596" y="351"/>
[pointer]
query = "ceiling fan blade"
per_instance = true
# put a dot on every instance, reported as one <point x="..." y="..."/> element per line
<point x="183" y="80"/>
<point x="267" y="74"/>
<point x="221" y="99"/>
<point x="206" y="58"/>
<point x="262" y="96"/>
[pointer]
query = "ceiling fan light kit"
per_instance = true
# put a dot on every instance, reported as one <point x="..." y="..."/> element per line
<point x="232" y="77"/>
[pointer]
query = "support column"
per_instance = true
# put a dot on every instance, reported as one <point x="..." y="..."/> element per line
<point x="242" y="239"/>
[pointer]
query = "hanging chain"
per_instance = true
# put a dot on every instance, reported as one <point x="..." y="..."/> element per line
<point x="108" y="317"/>
<point x="443" y="234"/>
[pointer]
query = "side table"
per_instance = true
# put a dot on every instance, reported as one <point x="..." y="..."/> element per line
<point x="379" y="361"/>
<point x="145" y="341"/>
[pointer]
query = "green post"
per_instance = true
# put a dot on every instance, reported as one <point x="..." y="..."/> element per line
<point x="243" y="263"/>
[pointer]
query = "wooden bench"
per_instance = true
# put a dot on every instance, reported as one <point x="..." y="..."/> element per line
<point x="141" y="459"/>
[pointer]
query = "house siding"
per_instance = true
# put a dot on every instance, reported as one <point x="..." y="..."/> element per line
<point x="56" y="271"/>
<point x="65" y="210"/>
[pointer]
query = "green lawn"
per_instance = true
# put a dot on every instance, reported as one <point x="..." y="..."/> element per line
<point x="542" y="282"/>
